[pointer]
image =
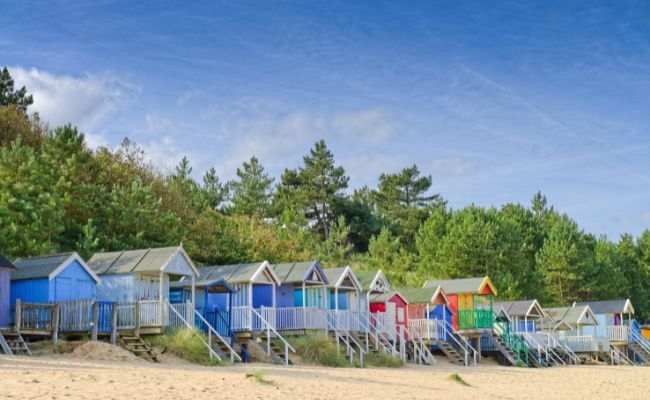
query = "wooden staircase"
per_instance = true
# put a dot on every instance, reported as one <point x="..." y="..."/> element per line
<point x="640" y="352"/>
<point x="451" y="353"/>
<point x="503" y="347"/>
<point x="614" y="356"/>
<point x="277" y="352"/>
<point x="12" y="343"/>
<point x="132" y="342"/>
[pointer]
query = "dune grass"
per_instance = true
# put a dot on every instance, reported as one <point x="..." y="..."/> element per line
<point x="186" y="343"/>
<point x="318" y="349"/>
<point x="456" y="378"/>
<point x="258" y="376"/>
<point x="382" y="360"/>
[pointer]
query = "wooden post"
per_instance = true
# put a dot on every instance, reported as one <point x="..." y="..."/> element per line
<point x="93" y="335"/>
<point x="136" y="329"/>
<point x="55" y="323"/>
<point x="189" y="310"/>
<point x="114" y="323"/>
<point x="19" y="315"/>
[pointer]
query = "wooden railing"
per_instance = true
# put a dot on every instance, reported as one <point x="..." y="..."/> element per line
<point x="475" y="319"/>
<point x="618" y="333"/>
<point x="76" y="315"/>
<point x="300" y="318"/>
<point x="36" y="316"/>
<point x="582" y="344"/>
<point x="426" y="329"/>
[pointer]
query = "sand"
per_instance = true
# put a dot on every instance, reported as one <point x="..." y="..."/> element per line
<point x="71" y="377"/>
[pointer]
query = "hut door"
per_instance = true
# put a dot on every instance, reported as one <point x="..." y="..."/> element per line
<point x="391" y="313"/>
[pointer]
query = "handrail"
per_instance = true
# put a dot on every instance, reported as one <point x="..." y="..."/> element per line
<point x="619" y="355"/>
<point x="553" y="354"/>
<point x="232" y="335"/>
<point x="374" y="318"/>
<point x="420" y="346"/>
<point x="465" y="345"/>
<point x="365" y="326"/>
<point x="212" y="331"/>
<point x="359" y="346"/>
<point x="640" y="340"/>
<point x="270" y="329"/>
<point x="557" y="343"/>
<point x="349" y="349"/>
<point x="210" y="349"/>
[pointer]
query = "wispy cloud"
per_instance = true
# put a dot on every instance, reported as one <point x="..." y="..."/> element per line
<point x="86" y="101"/>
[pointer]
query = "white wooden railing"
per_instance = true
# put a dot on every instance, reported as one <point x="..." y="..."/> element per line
<point x="189" y="325"/>
<point x="125" y="316"/>
<point x="426" y="329"/>
<point x="151" y="313"/>
<point x="75" y="315"/>
<point x="582" y="344"/>
<point x="271" y="333"/>
<point x="618" y="333"/>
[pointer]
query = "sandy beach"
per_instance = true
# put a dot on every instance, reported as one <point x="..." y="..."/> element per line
<point x="70" y="377"/>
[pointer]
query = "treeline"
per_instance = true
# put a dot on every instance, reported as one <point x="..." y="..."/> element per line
<point x="56" y="195"/>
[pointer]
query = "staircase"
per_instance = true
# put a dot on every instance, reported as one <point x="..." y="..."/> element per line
<point x="639" y="346"/>
<point x="451" y="353"/>
<point x="454" y="346"/>
<point x="510" y="355"/>
<point x="132" y="342"/>
<point x="276" y="352"/>
<point x="13" y="344"/>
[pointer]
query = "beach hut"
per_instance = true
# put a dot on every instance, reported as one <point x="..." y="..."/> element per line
<point x="523" y="315"/>
<point x="570" y="323"/>
<point x="374" y="290"/>
<point x="425" y="308"/>
<point x="6" y="267"/>
<point x="344" y="298"/>
<point x="301" y="296"/>
<point x="53" y="278"/>
<point x="610" y="315"/>
<point x="138" y="281"/>
<point x="470" y="301"/>
<point x="253" y="301"/>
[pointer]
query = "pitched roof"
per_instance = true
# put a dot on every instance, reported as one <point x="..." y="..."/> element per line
<point x="342" y="278"/>
<point x="213" y="286"/>
<point x="299" y="272"/>
<point x="571" y="317"/>
<point x="466" y="285"/>
<point x="260" y="272"/>
<point x="47" y="266"/>
<point x="138" y="261"/>
<point x="373" y="281"/>
<point x="609" y="306"/>
<point x="4" y="263"/>
<point x="520" y="308"/>
<point x="425" y="295"/>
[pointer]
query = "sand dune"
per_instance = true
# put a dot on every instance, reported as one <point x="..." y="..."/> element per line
<point x="68" y="377"/>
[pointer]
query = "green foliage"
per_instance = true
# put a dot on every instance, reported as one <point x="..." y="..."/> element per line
<point x="318" y="349"/>
<point x="335" y="250"/>
<point x="187" y="344"/>
<point x="382" y="360"/>
<point x="9" y="96"/>
<point x="457" y="378"/>
<point x="258" y="376"/>
<point x="251" y="192"/>
<point x="314" y="188"/>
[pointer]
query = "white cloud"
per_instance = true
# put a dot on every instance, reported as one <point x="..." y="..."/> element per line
<point x="373" y="125"/>
<point x="86" y="102"/>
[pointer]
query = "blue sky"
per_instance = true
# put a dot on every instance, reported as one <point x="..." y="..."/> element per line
<point x="495" y="101"/>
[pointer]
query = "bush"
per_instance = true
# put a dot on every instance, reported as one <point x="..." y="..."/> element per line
<point x="187" y="344"/>
<point x="318" y="349"/>
<point x="382" y="360"/>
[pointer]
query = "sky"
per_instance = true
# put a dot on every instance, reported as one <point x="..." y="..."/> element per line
<point x="495" y="100"/>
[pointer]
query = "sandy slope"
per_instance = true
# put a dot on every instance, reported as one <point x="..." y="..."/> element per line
<point x="67" y="377"/>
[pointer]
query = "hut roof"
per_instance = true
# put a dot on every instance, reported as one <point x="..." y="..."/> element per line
<point x="47" y="266"/>
<point x="4" y="263"/>
<point x="140" y="261"/>
<point x="425" y="295"/>
<point x="609" y="306"/>
<point x="467" y="285"/>
<point x="213" y="286"/>
<point x="342" y="278"/>
<point x="373" y="281"/>
<point x="260" y="272"/>
<point x="521" y="308"/>
<point x="299" y="272"/>
<point x="571" y="317"/>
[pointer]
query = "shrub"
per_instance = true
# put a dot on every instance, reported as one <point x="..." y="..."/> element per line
<point x="382" y="360"/>
<point x="318" y="349"/>
<point x="187" y="344"/>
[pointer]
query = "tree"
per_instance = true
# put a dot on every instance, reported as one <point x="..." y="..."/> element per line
<point x="251" y="192"/>
<point x="361" y="218"/>
<point x="401" y="199"/>
<point x="9" y="96"/>
<point x="213" y="191"/>
<point x="336" y="249"/>
<point x="314" y="188"/>
<point x="386" y="253"/>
